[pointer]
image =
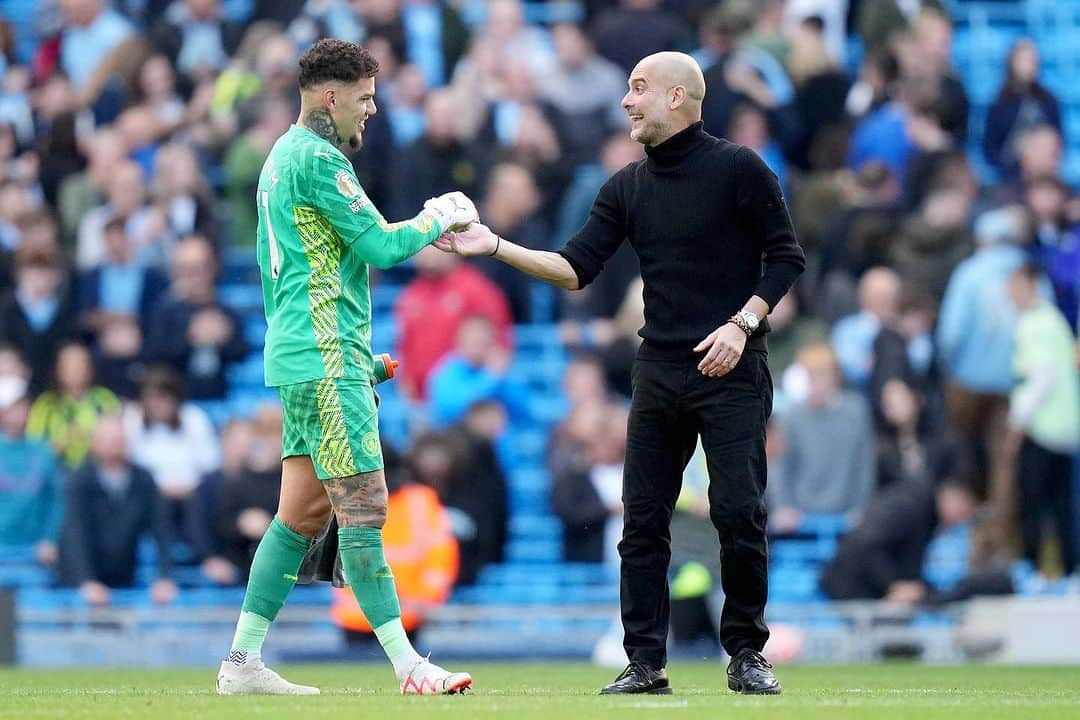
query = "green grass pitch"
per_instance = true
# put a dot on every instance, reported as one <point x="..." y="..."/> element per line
<point x="555" y="692"/>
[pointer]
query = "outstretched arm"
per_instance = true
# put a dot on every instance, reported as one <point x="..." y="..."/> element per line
<point x="479" y="240"/>
<point x="339" y="199"/>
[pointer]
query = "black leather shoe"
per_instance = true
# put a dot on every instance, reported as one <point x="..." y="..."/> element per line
<point x="639" y="678"/>
<point x="751" y="674"/>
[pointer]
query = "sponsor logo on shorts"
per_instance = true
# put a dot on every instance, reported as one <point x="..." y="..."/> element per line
<point x="370" y="444"/>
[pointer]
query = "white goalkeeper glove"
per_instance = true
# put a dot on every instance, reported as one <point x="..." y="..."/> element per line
<point x="453" y="210"/>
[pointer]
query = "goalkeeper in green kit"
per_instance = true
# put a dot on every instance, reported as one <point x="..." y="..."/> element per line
<point x="318" y="233"/>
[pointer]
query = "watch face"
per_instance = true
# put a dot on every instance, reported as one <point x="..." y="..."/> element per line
<point x="751" y="320"/>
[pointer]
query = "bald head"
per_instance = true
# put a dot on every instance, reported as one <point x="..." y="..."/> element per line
<point x="676" y="68"/>
<point x="666" y="91"/>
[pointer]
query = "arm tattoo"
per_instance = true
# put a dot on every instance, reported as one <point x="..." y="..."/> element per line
<point x="359" y="500"/>
<point x="320" y="123"/>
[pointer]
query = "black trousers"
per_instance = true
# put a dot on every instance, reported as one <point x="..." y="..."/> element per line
<point x="673" y="403"/>
<point x="1046" y="488"/>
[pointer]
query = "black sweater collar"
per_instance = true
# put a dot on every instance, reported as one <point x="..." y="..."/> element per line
<point x="672" y="151"/>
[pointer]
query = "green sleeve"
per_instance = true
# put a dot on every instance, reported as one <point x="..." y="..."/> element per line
<point x="337" y="195"/>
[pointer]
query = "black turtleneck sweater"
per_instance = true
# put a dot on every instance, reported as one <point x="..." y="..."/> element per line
<point x="708" y="222"/>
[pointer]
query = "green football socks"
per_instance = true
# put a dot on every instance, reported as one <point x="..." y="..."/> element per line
<point x="373" y="585"/>
<point x="273" y="574"/>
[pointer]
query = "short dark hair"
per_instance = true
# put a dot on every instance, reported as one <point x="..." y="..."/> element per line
<point x="336" y="60"/>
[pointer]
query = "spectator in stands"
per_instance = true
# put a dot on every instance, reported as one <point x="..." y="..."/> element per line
<point x="192" y="330"/>
<point x="509" y="207"/>
<point x="81" y="192"/>
<point x="156" y="92"/>
<point x="975" y="335"/>
<point x="910" y="446"/>
<point x="31" y="480"/>
<point x="879" y="134"/>
<point x="852" y="337"/>
<point x="111" y="506"/>
<point x="573" y="498"/>
<point x="485" y="496"/>
<point x="585" y="461"/>
<point x="855" y="237"/>
<point x="510" y="37"/>
<point x="35" y="315"/>
<point x="933" y="241"/>
<point x="119" y="353"/>
<point x="790" y="330"/>
<point x="584" y="382"/>
<point x="442" y="463"/>
<point x="65" y="416"/>
<point x="265" y="63"/>
<point x="249" y="494"/>
<point x="237" y="443"/>
<point x="827" y="466"/>
<point x="521" y="129"/>
<point x="1057" y="243"/>
<point x="430" y="310"/>
<point x="636" y="28"/>
<point x="47" y="118"/>
<point x="1040" y="152"/>
<point x="176" y="443"/>
<point x="438" y="161"/>
<point x="1044" y="410"/>
<point x="119" y="285"/>
<point x="476" y="370"/>
<point x="1022" y="103"/>
<point x="821" y="88"/>
<point x="882" y="557"/>
<point x="126" y="195"/>
<point x="181" y="194"/>
<point x="91" y="31"/>
<point x="405" y="106"/>
<point x="585" y="89"/>
<point x="244" y="159"/>
<point x="196" y="39"/>
<point x="931" y="58"/>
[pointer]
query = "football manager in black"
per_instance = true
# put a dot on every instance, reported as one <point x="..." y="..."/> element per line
<point x="708" y="222"/>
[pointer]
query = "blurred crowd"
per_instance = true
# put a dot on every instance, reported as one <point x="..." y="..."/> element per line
<point x="925" y="365"/>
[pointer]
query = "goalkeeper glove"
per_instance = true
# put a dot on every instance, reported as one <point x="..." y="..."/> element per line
<point x="453" y="210"/>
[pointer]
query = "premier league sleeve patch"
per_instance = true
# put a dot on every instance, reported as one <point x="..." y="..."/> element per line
<point x="351" y="190"/>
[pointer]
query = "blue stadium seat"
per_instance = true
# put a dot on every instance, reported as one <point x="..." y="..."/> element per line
<point x="25" y="576"/>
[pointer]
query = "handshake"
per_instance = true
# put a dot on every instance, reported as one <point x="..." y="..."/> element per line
<point x="453" y="211"/>
<point x="462" y="231"/>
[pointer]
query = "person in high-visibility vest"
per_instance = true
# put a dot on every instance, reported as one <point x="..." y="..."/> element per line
<point x="422" y="553"/>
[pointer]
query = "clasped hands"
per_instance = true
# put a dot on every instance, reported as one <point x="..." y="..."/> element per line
<point x="452" y="210"/>
<point x="463" y="233"/>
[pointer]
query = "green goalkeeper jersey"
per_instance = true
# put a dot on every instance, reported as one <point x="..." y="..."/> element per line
<point x="318" y="233"/>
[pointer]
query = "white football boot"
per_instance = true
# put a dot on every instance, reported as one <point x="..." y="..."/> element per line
<point x="427" y="678"/>
<point x="254" y="678"/>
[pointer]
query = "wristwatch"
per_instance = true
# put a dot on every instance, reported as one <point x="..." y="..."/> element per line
<point x="746" y="321"/>
<point x="752" y="320"/>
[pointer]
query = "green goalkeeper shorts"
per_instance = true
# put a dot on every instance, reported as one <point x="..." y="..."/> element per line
<point x="335" y="422"/>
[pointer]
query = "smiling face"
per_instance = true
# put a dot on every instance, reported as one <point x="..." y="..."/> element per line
<point x="352" y="104"/>
<point x="646" y="103"/>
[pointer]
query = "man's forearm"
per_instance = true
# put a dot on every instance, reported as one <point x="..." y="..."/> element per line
<point x="547" y="266"/>
<point x="757" y="306"/>
<point x="387" y="244"/>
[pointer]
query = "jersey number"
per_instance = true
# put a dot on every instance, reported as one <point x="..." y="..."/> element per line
<point x="275" y="256"/>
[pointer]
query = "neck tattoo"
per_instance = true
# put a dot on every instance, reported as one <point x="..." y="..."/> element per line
<point x="320" y="123"/>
